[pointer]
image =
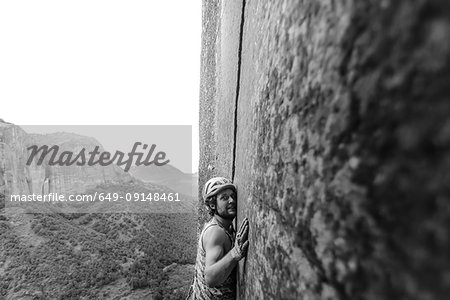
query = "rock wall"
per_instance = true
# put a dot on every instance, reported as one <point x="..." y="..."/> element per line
<point x="15" y="176"/>
<point x="332" y="118"/>
<point x="219" y="72"/>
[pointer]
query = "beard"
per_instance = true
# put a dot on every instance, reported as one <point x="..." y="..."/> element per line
<point x="226" y="215"/>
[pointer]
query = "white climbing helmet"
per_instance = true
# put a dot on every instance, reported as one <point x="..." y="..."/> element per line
<point x="215" y="185"/>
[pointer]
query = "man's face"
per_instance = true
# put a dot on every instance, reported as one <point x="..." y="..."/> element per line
<point x="226" y="206"/>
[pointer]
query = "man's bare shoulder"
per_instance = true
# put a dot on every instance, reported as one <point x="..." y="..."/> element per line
<point x="214" y="235"/>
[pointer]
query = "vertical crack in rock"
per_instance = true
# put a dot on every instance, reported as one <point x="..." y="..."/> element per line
<point x="238" y="79"/>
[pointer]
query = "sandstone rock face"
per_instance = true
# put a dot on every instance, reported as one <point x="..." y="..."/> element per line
<point x="18" y="178"/>
<point x="340" y="143"/>
<point x="15" y="177"/>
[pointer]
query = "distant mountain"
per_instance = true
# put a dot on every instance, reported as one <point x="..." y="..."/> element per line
<point x="169" y="176"/>
<point x="16" y="177"/>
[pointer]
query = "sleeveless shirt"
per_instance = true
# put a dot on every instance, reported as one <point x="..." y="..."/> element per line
<point x="199" y="290"/>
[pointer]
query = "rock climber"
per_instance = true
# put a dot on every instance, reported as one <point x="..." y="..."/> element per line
<point x="219" y="249"/>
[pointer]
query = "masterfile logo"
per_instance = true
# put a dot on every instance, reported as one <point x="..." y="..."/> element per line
<point x="92" y="158"/>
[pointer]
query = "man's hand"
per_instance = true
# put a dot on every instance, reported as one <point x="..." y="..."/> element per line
<point x="241" y="243"/>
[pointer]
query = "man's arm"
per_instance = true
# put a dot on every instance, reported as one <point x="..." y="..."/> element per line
<point x="217" y="265"/>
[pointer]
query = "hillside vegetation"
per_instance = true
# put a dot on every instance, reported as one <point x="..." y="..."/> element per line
<point x="95" y="256"/>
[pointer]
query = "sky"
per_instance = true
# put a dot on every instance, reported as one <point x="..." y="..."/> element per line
<point x="101" y="62"/>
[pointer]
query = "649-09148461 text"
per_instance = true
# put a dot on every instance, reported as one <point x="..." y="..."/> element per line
<point x="101" y="197"/>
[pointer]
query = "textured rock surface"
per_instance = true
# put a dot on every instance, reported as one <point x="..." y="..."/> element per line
<point x="342" y="145"/>
<point x="15" y="177"/>
<point x="219" y="65"/>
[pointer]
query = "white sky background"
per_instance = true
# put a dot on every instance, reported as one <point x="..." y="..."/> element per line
<point x="101" y="62"/>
